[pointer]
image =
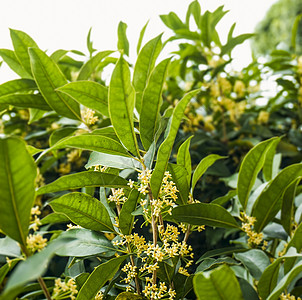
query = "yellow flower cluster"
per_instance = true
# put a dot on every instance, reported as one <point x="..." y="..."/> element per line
<point x="100" y="168"/>
<point x="35" y="242"/>
<point x="117" y="196"/>
<point x="99" y="296"/>
<point x="131" y="272"/>
<point x="154" y="291"/>
<point x="288" y="297"/>
<point x="255" y="238"/>
<point x="64" y="168"/>
<point x="263" y="117"/>
<point x="144" y="178"/>
<point x="88" y="116"/>
<point x="64" y="290"/>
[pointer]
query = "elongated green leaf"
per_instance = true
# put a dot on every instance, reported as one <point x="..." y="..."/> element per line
<point x="234" y="41"/>
<point x="85" y="243"/>
<point x="58" y="54"/>
<point x="35" y="114"/>
<point x="204" y="214"/>
<point x="210" y="263"/>
<point x="91" y="94"/>
<point x="26" y="101"/>
<point x="17" y="188"/>
<point x="173" y="21"/>
<point x="122" y="43"/>
<point x="194" y="10"/>
<point x="221" y="284"/>
<point x="128" y="296"/>
<point x="285" y="281"/>
<point x="7" y="268"/>
<point x="221" y="251"/>
<point x="31" y="269"/>
<point x="294" y="31"/>
<point x="165" y="149"/>
<point x="287" y="209"/>
<point x="21" y="42"/>
<point x="54" y="218"/>
<point x="255" y="260"/>
<point x="223" y="199"/>
<point x="250" y="167"/>
<point x="112" y="161"/>
<point x="17" y="86"/>
<point x="83" y="210"/>
<point x="89" y="142"/>
<point x="49" y="77"/>
<point x="90" y="66"/>
<point x="295" y="242"/>
<point x="151" y="103"/>
<point x="144" y="66"/>
<point x="61" y="133"/>
<point x="126" y="218"/>
<point x="106" y="131"/>
<point x="269" y="160"/>
<point x="203" y="166"/>
<point x="184" y="157"/>
<point x="179" y="176"/>
<point x="12" y="61"/>
<point x="269" y="202"/>
<point x="9" y="247"/>
<point x="99" y="277"/>
<point x="141" y="36"/>
<point x="121" y="105"/>
<point x="83" y="179"/>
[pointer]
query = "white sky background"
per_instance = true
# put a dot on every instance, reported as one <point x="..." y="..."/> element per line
<point x="64" y="24"/>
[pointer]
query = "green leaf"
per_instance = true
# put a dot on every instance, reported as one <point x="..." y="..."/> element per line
<point x="184" y="157"/>
<point x="89" y="42"/>
<point x="21" y="42"/>
<point x="269" y="160"/>
<point x="141" y="36"/>
<point x="122" y="43"/>
<point x="54" y="218"/>
<point x="179" y="176"/>
<point x="151" y="104"/>
<point x="85" y="243"/>
<point x="49" y="77"/>
<point x="234" y="41"/>
<point x="17" y="86"/>
<point x="173" y="21"/>
<point x="12" y="61"/>
<point x="83" y="210"/>
<point x="89" y="142"/>
<point x="91" y="94"/>
<point x="83" y="179"/>
<point x="17" y="189"/>
<point x="285" y="281"/>
<point x="144" y="66"/>
<point x="204" y="214"/>
<point x="99" y="277"/>
<point x="287" y="209"/>
<point x="255" y="260"/>
<point x="7" y="268"/>
<point x="128" y="296"/>
<point x="223" y="199"/>
<point x="112" y="161"/>
<point x="210" y="263"/>
<point x="26" y="101"/>
<point x="9" y="247"/>
<point x="250" y="167"/>
<point x="126" y="219"/>
<point x="203" y="166"/>
<point x="91" y="65"/>
<point x="61" y="133"/>
<point x="35" y="114"/>
<point x="295" y="242"/>
<point x="294" y="31"/>
<point x="221" y="284"/>
<point x="30" y="269"/>
<point x="121" y="105"/>
<point x="165" y="149"/>
<point x="194" y="10"/>
<point x="269" y="202"/>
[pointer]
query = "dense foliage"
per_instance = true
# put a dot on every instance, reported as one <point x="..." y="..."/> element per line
<point x="274" y="30"/>
<point x="174" y="179"/>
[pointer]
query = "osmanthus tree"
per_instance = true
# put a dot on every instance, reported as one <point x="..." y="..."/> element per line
<point x="131" y="184"/>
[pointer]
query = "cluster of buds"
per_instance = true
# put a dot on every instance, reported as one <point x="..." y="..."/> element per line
<point x="64" y="289"/>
